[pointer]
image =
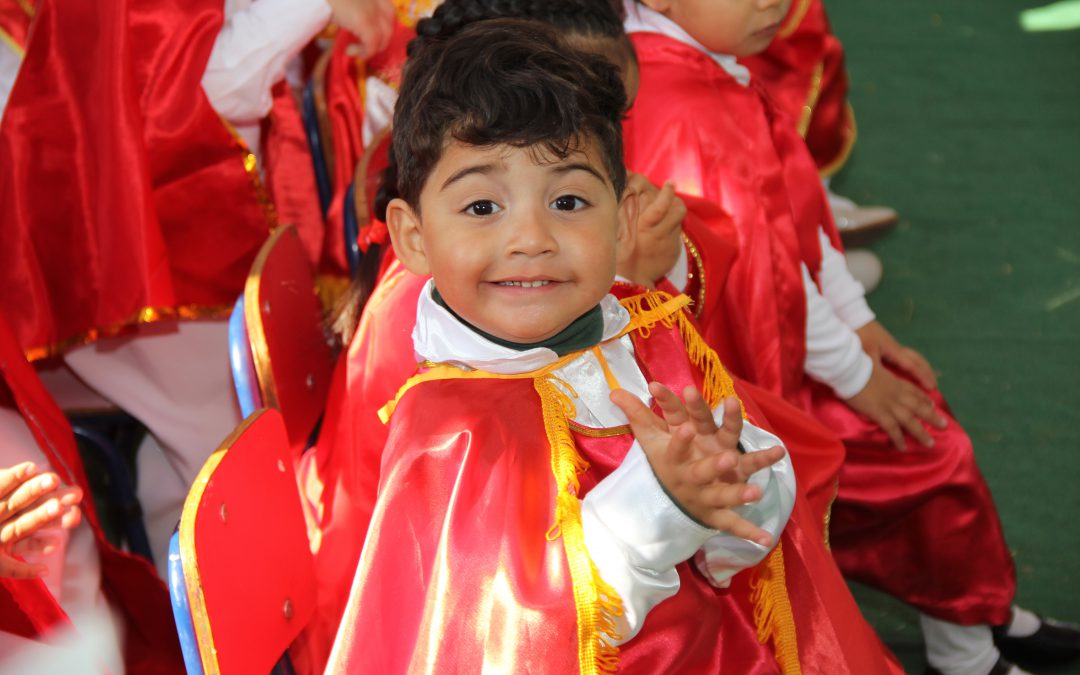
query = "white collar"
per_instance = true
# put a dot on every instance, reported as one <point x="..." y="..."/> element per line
<point x="641" y="19"/>
<point x="440" y="337"/>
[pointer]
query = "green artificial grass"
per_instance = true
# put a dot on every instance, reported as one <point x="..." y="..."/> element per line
<point x="970" y="127"/>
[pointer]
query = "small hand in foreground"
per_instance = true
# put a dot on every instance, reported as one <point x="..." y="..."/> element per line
<point x="897" y="406"/>
<point x="881" y="345"/>
<point x="371" y="21"/>
<point x="29" y="503"/>
<point x="698" y="464"/>
<point x="659" y="232"/>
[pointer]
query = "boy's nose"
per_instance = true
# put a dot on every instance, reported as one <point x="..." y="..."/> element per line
<point x="531" y="235"/>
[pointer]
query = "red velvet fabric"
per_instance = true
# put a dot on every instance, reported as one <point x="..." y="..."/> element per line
<point x="804" y="67"/>
<point x="131" y="584"/>
<point x="120" y="188"/>
<point x="728" y="141"/>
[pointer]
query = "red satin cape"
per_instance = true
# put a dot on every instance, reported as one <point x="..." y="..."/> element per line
<point x="27" y="608"/>
<point x="803" y="71"/>
<point x="123" y="197"/>
<point x="746" y="160"/>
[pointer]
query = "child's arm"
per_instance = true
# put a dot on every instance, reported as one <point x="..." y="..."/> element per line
<point x="659" y="250"/>
<point x="659" y="506"/>
<point x="847" y="298"/>
<point x="30" y="503"/>
<point x="835" y="356"/>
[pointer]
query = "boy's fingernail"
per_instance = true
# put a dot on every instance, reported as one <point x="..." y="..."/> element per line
<point x="47" y="481"/>
<point x="52" y="508"/>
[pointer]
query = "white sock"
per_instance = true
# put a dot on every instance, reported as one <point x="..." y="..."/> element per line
<point x="958" y="650"/>
<point x="1023" y="624"/>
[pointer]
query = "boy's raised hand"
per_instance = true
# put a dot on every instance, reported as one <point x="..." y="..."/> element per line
<point x="29" y="503"/>
<point x="659" y="231"/>
<point x="698" y="464"/>
<point x="880" y="344"/>
<point x="897" y="406"/>
<point x="371" y="21"/>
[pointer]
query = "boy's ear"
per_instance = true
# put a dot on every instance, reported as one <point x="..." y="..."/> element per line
<point x="406" y="235"/>
<point x="626" y="236"/>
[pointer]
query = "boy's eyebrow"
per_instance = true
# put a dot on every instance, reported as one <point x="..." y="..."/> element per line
<point x="578" y="166"/>
<point x="482" y="169"/>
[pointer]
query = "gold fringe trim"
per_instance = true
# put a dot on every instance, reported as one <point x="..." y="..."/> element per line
<point x="598" y="605"/>
<point x="410" y="11"/>
<point x="772" y="607"/>
<point x="143" y="316"/>
<point x="772" y="611"/>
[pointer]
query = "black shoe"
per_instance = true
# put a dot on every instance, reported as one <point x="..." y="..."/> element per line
<point x="1001" y="667"/>
<point x="1054" y="642"/>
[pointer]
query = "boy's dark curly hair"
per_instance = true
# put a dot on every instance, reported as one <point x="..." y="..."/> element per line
<point x="507" y="82"/>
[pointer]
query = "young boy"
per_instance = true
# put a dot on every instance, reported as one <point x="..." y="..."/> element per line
<point x="519" y="527"/>
<point x="919" y="524"/>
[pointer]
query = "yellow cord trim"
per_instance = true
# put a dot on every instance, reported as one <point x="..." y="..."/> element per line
<point x="794" y="19"/>
<point x="812" y="97"/>
<point x="609" y="376"/>
<point x="849" y="145"/>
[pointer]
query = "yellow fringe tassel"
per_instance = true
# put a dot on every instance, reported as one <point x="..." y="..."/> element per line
<point x="772" y="606"/>
<point x="597" y="603"/>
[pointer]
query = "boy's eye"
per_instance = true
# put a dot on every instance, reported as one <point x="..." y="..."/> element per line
<point x="569" y="203"/>
<point x="483" y="207"/>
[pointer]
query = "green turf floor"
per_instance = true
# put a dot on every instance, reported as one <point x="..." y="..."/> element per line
<point x="970" y="128"/>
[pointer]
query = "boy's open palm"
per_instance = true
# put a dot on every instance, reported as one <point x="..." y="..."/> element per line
<point x="897" y="406"/>
<point x="28" y="504"/>
<point x="698" y="464"/>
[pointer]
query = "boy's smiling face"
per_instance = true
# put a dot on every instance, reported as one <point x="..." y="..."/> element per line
<point x="519" y="243"/>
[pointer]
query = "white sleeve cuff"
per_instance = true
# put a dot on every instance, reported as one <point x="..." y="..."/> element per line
<point x="846" y="295"/>
<point x="724" y="555"/>
<point x="834" y="353"/>
<point x="635" y="535"/>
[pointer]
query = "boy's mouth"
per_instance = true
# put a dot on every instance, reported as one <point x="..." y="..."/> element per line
<point x="525" y="284"/>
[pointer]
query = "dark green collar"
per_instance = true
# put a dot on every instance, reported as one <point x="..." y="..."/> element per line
<point x="586" y="331"/>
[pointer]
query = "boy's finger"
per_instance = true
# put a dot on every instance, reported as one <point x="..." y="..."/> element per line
<point x="71" y="518"/>
<point x="678" y="447"/>
<point x="673" y="409"/>
<point x="29" y="492"/>
<point x="711" y="469"/>
<point x="916" y="430"/>
<point x="12" y="477"/>
<point x="699" y="412"/>
<point x="752" y="462"/>
<point x="734" y="524"/>
<point x="892" y="429"/>
<point x="732" y="420"/>
<point x="31" y="521"/>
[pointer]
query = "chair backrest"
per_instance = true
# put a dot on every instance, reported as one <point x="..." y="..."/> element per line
<point x="291" y="351"/>
<point x="361" y="195"/>
<point x="242" y="563"/>
<point x="245" y="381"/>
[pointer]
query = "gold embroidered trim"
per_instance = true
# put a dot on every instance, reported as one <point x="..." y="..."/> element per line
<point x="12" y="43"/>
<point x="251" y="167"/>
<point x="143" y="316"/>
<point x="605" y="432"/>
<point x="26" y="6"/>
<point x="812" y="96"/>
<point x="698" y="272"/>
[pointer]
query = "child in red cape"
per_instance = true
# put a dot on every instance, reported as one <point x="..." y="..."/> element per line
<point x="481" y="550"/>
<point x="919" y="524"/>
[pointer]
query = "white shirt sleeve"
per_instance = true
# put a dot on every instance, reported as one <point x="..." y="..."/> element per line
<point x="251" y="51"/>
<point x="834" y="353"/>
<point x="636" y="535"/>
<point x="846" y="295"/>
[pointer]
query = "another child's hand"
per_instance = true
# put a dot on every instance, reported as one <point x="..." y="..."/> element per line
<point x="371" y="21"/>
<point x="30" y="503"/>
<point x="698" y="464"/>
<point x="881" y="345"/>
<point x="897" y="406"/>
<point x="659" y="231"/>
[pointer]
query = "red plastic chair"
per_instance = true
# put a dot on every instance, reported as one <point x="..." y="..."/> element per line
<point x="243" y="579"/>
<point x="292" y="353"/>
